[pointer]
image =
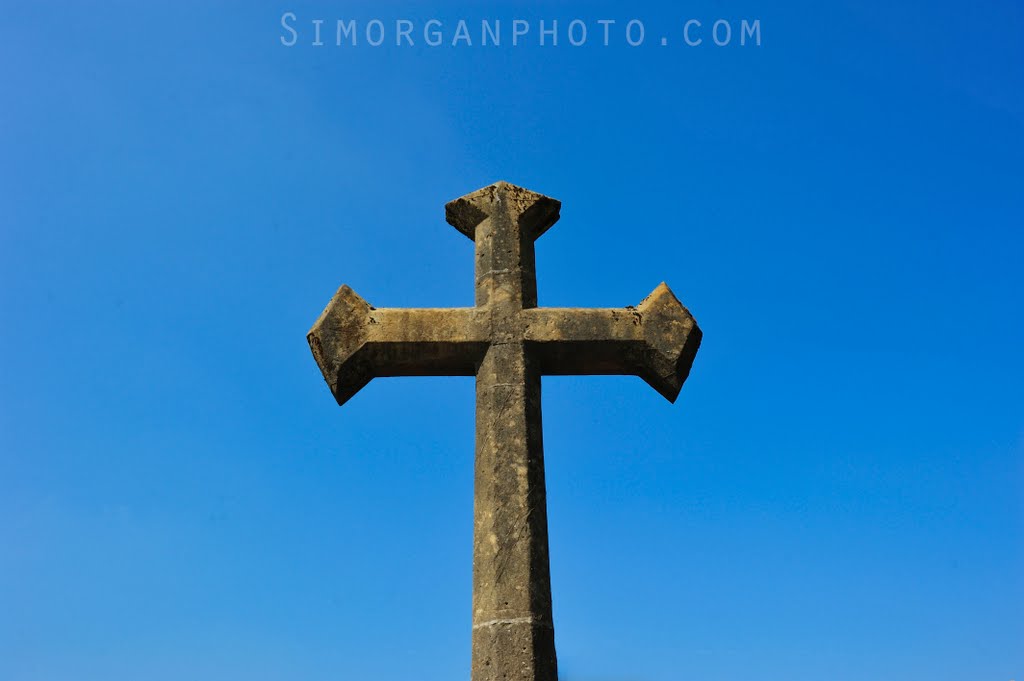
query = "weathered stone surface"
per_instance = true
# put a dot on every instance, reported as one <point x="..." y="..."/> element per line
<point x="507" y="342"/>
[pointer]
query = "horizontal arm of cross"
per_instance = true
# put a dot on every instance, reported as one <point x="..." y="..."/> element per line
<point x="353" y="342"/>
<point x="656" y="340"/>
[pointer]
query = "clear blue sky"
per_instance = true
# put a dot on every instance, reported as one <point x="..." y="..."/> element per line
<point x="836" y="494"/>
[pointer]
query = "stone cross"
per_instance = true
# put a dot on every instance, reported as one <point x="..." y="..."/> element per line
<point x="507" y="342"/>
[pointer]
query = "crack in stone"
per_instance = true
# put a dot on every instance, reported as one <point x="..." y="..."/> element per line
<point x="507" y="556"/>
<point x="534" y="620"/>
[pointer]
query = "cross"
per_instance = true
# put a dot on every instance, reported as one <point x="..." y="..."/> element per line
<point x="507" y="342"/>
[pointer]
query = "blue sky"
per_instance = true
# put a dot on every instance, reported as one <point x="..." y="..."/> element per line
<point x="836" y="494"/>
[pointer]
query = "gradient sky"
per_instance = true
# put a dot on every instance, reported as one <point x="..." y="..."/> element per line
<point x="836" y="494"/>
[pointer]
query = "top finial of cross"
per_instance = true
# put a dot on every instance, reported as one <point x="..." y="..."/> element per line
<point x="535" y="212"/>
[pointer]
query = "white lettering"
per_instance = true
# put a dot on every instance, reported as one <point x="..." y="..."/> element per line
<point x="728" y="33"/>
<point x="495" y="33"/>
<point x="461" y="33"/>
<point x="686" y="33"/>
<point x="403" y="29"/>
<point x="629" y="32"/>
<point x="750" y="30"/>
<point x="284" y="25"/>
<point x="432" y="38"/>
<point x="576" y="42"/>
<point x="348" y="30"/>
<point x="520" y="27"/>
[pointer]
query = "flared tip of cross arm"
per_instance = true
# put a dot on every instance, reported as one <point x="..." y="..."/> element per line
<point x="667" y="372"/>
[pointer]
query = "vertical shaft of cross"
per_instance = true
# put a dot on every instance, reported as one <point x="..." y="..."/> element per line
<point x="513" y="634"/>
